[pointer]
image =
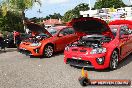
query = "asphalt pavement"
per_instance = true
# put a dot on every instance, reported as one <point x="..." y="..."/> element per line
<point x="21" y="71"/>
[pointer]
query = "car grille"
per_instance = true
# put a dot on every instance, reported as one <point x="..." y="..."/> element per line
<point x="74" y="49"/>
<point x="25" y="52"/>
<point x="83" y="50"/>
<point x="79" y="50"/>
<point x="79" y="63"/>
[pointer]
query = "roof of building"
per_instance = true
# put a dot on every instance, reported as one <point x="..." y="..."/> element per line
<point x="52" y="22"/>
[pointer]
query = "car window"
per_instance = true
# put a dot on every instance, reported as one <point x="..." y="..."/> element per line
<point x="71" y="30"/>
<point x="52" y="31"/>
<point x="124" y="30"/>
<point x="130" y="31"/>
<point x="114" y="30"/>
<point x="65" y="31"/>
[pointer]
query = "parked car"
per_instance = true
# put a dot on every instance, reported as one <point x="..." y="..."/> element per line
<point x="9" y="40"/>
<point x="46" y="42"/>
<point x="103" y="46"/>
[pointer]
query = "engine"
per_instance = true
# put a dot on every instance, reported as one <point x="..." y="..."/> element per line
<point x="36" y="39"/>
<point x="93" y="41"/>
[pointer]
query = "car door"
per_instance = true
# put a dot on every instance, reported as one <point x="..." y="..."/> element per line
<point x="62" y="39"/>
<point x="130" y="40"/>
<point x="71" y="36"/>
<point x="124" y="40"/>
<point x="66" y="36"/>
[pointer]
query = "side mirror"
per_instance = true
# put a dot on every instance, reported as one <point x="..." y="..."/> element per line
<point x="123" y="36"/>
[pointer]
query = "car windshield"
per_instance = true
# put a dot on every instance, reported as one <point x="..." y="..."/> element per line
<point x="52" y="31"/>
<point x="43" y="35"/>
<point x="114" y="30"/>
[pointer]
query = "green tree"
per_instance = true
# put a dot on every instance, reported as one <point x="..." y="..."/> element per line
<point x="68" y="16"/>
<point x="108" y="4"/>
<point x="75" y="13"/>
<point x="80" y="7"/>
<point x="54" y="16"/>
<point x="12" y="21"/>
<point x="18" y="6"/>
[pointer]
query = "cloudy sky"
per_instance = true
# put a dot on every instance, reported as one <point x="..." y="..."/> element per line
<point x="57" y="6"/>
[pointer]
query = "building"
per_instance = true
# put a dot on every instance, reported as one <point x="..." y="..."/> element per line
<point x="109" y="13"/>
<point x="51" y="22"/>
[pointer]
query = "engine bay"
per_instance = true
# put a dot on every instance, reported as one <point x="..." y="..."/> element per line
<point x="92" y="41"/>
<point x="36" y="39"/>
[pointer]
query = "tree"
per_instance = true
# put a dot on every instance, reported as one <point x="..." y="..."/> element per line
<point x="75" y="13"/>
<point x="34" y="19"/>
<point x="68" y="16"/>
<point x="54" y="16"/>
<point x="80" y="7"/>
<point x="12" y="21"/>
<point x="108" y="4"/>
<point x="18" y="6"/>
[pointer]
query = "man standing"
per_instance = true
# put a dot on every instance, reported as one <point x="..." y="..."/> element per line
<point x="17" y="39"/>
<point x="2" y="44"/>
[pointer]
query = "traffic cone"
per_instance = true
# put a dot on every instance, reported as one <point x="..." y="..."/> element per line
<point x="84" y="81"/>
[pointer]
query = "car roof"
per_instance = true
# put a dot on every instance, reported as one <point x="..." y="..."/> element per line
<point x="59" y="27"/>
<point x="116" y="25"/>
<point x="119" y="22"/>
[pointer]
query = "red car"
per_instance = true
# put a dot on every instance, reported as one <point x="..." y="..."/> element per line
<point x="46" y="42"/>
<point x="102" y="46"/>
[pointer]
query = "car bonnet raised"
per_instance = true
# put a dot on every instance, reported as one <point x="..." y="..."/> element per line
<point x="36" y="28"/>
<point x="90" y="25"/>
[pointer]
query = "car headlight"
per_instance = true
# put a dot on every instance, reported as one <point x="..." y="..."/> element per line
<point x="67" y="48"/>
<point x="98" y="51"/>
<point x="35" y="44"/>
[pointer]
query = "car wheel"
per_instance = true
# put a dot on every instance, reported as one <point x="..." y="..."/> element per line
<point x="48" y="51"/>
<point x="114" y="60"/>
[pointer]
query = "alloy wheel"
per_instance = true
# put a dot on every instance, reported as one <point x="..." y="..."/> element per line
<point x="48" y="52"/>
<point x="114" y="60"/>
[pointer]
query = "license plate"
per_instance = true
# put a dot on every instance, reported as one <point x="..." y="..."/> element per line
<point x="78" y="58"/>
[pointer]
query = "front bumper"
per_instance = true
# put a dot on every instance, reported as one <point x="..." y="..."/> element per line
<point x="31" y="51"/>
<point x="79" y="63"/>
<point x="24" y="51"/>
<point x="89" y="61"/>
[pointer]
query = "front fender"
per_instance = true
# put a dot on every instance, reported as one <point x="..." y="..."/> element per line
<point x="110" y="49"/>
<point x="44" y="43"/>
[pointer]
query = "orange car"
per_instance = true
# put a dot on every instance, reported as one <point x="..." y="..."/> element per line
<point x="46" y="42"/>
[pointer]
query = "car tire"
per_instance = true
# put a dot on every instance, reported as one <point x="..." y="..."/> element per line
<point x="114" y="60"/>
<point x="48" y="51"/>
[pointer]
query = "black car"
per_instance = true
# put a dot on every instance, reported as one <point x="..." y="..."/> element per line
<point x="9" y="41"/>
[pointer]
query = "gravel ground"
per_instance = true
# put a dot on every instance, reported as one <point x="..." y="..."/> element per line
<point x="20" y="71"/>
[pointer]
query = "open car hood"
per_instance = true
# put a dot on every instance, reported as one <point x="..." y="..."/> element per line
<point x="91" y="25"/>
<point x="36" y="28"/>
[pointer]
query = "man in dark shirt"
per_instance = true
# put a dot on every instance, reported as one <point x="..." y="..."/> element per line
<point x="17" y="39"/>
<point x="2" y="44"/>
